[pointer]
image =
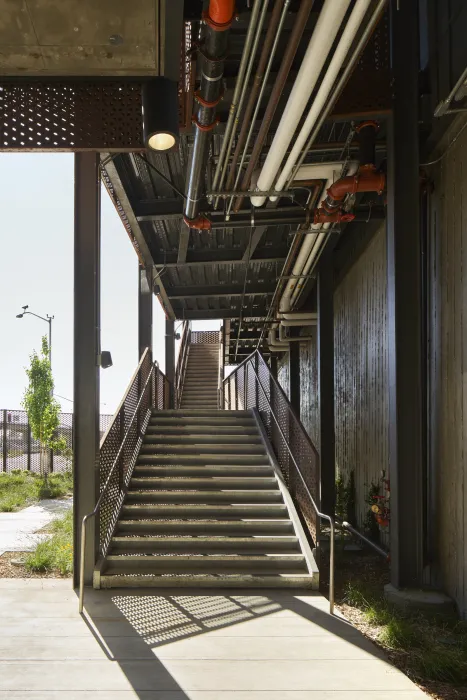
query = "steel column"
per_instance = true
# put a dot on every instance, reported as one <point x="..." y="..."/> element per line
<point x="326" y="382"/>
<point x="170" y="357"/>
<point x="86" y="350"/>
<point x="145" y="286"/>
<point x="404" y="305"/>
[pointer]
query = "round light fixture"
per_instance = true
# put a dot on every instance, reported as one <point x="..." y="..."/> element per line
<point x="162" y="141"/>
<point x="160" y="113"/>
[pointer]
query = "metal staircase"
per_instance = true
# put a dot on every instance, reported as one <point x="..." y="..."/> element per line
<point x="200" y="496"/>
<point x="200" y="384"/>
<point x="206" y="506"/>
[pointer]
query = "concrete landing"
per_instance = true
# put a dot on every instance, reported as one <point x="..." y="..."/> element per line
<point x="184" y="645"/>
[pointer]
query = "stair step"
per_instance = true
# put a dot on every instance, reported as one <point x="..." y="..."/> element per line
<point x="203" y="471"/>
<point x="174" y="412"/>
<point x="206" y="459"/>
<point x="203" y="511"/>
<point x="217" y="483"/>
<point x="204" y="545"/>
<point x="213" y="422"/>
<point x="232" y="581"/>
<point x="213" y="564"/>
<point x="194" y="449"/>
<point x="196" y="439"/>
<point x="226" y="528"/>
<point x="173" y="432"/>
<point x="207" y="497"/>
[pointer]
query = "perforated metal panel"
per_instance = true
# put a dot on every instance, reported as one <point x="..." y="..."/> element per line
<point x="148" y="389"/>
<point x="70" y="115"/>
<point x="369" y="87"/>
<point x="253" y="386"/>
<point x="204" y="337"/>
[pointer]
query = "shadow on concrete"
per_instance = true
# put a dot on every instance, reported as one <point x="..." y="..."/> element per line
<point x="131" y="625"/>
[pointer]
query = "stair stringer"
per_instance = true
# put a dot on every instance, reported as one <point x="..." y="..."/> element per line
<point x="293" y="515"/>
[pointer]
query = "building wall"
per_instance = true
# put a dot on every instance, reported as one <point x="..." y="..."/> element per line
<point x="309" y="396"/>
<point x="283" y="373"/>
<point x="361" y="372"/>
<point x="447" y="408"/>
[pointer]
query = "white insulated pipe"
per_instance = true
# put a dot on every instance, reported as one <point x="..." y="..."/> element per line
<point x="322" y="39"/>
<point x="327" y="84"/>
<point x="299" y="316"/>
<point x="301" y="265"/>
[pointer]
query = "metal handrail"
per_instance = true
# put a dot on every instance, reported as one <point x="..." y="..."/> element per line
<point x="94" y="512"/>
<point x="321" y="515"/>
<point x="181" y="362"/>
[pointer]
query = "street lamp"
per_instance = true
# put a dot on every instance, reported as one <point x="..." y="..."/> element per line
<point x="48" y="320"/>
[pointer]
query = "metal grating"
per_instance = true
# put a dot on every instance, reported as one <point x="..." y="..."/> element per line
<point x="204" y="337"/>
<point x="19" y="450"/>
<point x="72" y="115"/>
<point x="252" y="385"/>
<point x="149" y="388"/>
<point x="369" y="87"/>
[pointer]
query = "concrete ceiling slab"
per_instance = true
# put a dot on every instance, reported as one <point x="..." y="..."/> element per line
<point x="79" y="37"/>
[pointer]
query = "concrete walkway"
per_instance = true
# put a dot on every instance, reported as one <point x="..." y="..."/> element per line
<point x="184" y="645"/>
<point x="18" y="531"/>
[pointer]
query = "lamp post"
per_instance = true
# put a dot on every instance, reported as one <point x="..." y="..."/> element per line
<point x="48" y="320"/>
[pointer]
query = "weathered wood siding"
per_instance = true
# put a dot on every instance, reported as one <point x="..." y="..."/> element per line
<point x="448" y="369"/>
<point x="309" y="397"/>
<point x="361" y="372"/>
<point x="283" y="373"/>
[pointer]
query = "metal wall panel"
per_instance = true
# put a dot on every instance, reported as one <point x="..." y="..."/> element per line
<point x="361" y="372"/>
<point x="447" y="407"/>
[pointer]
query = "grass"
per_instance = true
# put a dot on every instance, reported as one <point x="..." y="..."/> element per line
<point x="427" y="647"/>
<point x="21" y="488"/>
<point x="56" y="553"/>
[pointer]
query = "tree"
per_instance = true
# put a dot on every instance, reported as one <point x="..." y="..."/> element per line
<point x="41" y="407"/>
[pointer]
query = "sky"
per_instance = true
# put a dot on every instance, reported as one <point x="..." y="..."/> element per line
<point x="36" y="268"/>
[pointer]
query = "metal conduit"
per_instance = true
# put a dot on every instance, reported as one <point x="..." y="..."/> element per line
<point x="238" y="87"/>
<point x="256" y="95"/>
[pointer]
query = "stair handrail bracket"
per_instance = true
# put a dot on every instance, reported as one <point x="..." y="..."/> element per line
<point x="252" y="386"/>
<point x="119" y="448"/>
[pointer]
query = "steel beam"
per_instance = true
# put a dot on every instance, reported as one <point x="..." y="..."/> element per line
<point x="170" y="357"/>
<point x="85" y="356"/>
<point x="145" y="287"/>
<point x="222" y="256"/>
<point x="404" y="305"/>
<point x="203" y="315"/>
<point x="218" y="290"/>
<point x="326" y="381"/>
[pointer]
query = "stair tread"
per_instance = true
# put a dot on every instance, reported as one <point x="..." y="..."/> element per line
<point x="241" y="581"/>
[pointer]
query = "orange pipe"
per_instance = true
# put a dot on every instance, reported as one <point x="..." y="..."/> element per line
<point x="365" y="180"/>
<point x="220" y="14"/>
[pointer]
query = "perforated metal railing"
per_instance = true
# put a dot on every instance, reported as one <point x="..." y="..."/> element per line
<point x="252" y="385"/>
<point x="182" y="362"/>
<point x="148" y="389"/>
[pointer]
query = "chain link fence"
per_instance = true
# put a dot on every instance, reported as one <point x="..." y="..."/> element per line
<point x="19" y="450"/>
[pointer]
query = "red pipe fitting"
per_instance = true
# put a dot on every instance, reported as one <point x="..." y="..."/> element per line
<point x="321" y="216"/>
<point x="367" y="179"/>
<point x="201" y="223"/>
<point x="220" y="14"/>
